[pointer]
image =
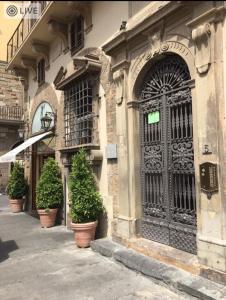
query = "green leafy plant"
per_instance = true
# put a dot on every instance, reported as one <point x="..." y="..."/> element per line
<point x="50" y="188"/>
<point x="17" y="187"/>
<point x="85" y="201"/>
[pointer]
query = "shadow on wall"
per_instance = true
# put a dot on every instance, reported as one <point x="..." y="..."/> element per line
<point x="5" y="248"/>
<point x="102" y="227"/>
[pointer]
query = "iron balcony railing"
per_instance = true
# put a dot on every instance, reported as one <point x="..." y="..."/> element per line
<point x="11" y="113"/>
<point x="22" y="32"/>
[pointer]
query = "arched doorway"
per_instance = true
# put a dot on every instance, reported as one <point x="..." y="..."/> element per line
<point x="167" y="157"/>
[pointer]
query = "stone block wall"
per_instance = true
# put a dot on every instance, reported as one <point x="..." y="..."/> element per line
<point x="11" y="94"/>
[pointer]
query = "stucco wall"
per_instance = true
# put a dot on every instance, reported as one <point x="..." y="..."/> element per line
<point x="7" y="28"/>
<point x="103" y="13"/>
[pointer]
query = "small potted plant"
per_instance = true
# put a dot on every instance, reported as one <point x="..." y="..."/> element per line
<point x="49" y="193"/>
<point x="17" y="188"/>
<point x="85" y="201"/>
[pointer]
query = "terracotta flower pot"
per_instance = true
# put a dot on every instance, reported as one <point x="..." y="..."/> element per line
<point x="47" y="218"/>
<point x="84" y="233"/>
<point x="16" y="205"/>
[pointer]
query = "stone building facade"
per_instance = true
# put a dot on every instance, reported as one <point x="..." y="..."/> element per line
<point x="151" y="84"/>
<point x="160" y="195"/>
<point x="11" y="107"/>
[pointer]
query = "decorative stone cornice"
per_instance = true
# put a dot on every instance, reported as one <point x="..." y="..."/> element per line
<point x="82" y="65"/>
<point x="202" y="29"/>
<point x="30" y="64"/>
<point x="124" y="64"/>
<point x="41" y="50"/>
<point x="149" y="19"/>
<point x="201" y="37"/>
<point x="85" y="61"/>
<point x="213" y="15"/>
<point x="59" y="29"/>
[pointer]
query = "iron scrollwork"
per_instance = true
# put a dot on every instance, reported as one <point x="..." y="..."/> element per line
<point x="182" y="155"/>
<point x="167" y="167"/>
<point x="153" y="157"/>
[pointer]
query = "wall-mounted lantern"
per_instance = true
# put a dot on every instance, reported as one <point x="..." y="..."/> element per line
<point x="47" y="120"/>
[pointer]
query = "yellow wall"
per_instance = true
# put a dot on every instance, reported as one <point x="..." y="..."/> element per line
<point x="7" y="28"/>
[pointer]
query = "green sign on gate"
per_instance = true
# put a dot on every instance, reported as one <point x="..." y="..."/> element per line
<point x="153" y="117"/>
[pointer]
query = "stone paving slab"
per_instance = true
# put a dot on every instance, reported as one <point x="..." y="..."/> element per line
<point x="192" y="285"/>
<point x="45" y="264"/>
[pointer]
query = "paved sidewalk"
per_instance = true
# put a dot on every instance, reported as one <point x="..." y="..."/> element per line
<point x="44" y="264"/>
<point x="192" y="285"/>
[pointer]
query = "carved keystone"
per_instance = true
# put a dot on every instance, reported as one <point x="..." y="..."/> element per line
<point x="155" y="36"/>
<point x="201" y="37"/>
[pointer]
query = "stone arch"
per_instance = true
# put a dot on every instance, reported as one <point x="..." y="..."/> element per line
<point x="141" y="64"/>
<point x="47" y="94"/>
<point x="170" y="99"/>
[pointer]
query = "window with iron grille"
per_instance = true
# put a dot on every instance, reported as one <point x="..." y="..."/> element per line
<point x="78" y="113"/>
<point x="41" y="71"/>
<point x="77" y="34"/>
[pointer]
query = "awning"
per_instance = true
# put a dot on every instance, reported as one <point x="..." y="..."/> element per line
<point x="11" y="155"/>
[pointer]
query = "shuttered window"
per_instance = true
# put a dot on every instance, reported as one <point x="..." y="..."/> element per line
<point x="41" y="71"/>
<point x="77" y="34"/>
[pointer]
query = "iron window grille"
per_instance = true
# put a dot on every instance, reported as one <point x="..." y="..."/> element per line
<point x="78" y="113"/>
<point x="77" y="34"/>
<point x="41" y="71"/>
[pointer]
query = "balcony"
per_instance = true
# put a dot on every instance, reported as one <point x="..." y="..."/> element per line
<point x="21" y="32"/>
<point x="11" y="114"/>
<point x="32" y="38"/>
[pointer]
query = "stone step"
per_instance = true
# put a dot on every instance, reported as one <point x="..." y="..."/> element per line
<point x="185" y="282"/>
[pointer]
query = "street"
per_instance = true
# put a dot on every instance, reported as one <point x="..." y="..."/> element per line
<point x="45" y="264"/>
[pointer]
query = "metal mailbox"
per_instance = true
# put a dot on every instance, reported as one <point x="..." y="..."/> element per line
<point x="208" y="178"/>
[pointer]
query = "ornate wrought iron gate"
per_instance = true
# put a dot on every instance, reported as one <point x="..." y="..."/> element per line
<point x="167" y="169"/>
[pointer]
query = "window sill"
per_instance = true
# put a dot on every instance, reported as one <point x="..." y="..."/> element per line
<point x="77" y="147"/>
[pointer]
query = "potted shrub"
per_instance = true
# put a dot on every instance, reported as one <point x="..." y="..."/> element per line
<point x="49" y="193"/>
<point x="17" y="188"/>
<point x="85" y="201"/>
